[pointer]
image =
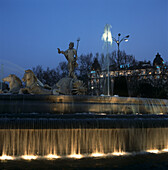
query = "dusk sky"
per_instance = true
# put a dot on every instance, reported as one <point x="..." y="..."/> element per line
<point x="32" y="30"/>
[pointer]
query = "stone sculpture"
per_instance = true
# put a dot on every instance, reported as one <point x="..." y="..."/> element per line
<point x="69" y="86"/>
<point x="14" y="83"/>
<point x="32" y="84"/>
<point x="69" y="55"/>
<point x="66" y="86"/>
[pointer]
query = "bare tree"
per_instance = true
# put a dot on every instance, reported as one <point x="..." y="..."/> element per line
<point x="85" y="62"/>
<point x="63" y="69"/>
<point x="38" y="71"/>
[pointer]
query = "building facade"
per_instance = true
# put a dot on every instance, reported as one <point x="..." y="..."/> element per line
<point x="155" y="74"/>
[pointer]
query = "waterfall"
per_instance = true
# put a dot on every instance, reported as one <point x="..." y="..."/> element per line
<point x="62" y="142"/>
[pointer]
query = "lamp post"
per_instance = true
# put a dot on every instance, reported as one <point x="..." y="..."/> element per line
<point x="118" y="41"/>
<point x="1" y="75"/>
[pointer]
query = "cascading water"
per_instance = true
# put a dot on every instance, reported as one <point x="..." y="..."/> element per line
<point x="63" y="135"/>
<point x="65" y="142"/>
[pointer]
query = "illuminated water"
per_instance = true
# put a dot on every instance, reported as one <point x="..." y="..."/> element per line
<point x="63" y="142"/>
<point x="82" y="135"/>
<point x="132" y="161"/>
<point x="83" y="140"/>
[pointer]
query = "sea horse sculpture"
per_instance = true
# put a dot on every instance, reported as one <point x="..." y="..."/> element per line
<point x="69" y="86"/>
<point x="14" y="83"/>
<point x="33" y="85"/>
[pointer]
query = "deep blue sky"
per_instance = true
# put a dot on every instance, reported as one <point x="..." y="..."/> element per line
<point x="31" y="30"/>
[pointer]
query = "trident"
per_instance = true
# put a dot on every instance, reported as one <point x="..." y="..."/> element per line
<point x="77" y="44"/>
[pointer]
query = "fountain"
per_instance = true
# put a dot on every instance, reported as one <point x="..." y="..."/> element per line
<point x="81" y="135"/>
<point x="53" y="126"/>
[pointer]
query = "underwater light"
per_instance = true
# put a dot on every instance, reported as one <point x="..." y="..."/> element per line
<point x="76" y="156"/>
<point x="153" y="151"/>
<point x="97" y="154"/>
<point x="6" y="157"/>
<point x="50" y="156"/>
<point x="165" y="150"/>
<point x="118" y="153"/>
<point x="29" y="157"/>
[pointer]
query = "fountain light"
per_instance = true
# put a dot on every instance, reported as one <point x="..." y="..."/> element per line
<point x="6" y="157"/>
<point x="97" y="154"/>
<point x="51" y="156"/>
<point x="153" y="151"/>
<point x="29" y="157"/>
<point x="76" y="156"/>
<point x="165" y="150"/>
<point x="119" y="153"/>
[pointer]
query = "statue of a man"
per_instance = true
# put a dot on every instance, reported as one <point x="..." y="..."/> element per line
<point x="71" y="56"/>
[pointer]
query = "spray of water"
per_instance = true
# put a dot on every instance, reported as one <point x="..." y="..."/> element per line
<point x="107" y="36"/>
<point x="10" y="68"/>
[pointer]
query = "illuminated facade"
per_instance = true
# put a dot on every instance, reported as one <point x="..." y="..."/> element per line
<point x="155" y="74"/>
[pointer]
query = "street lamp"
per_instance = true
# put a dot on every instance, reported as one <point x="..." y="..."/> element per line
<point x="1" y="75"/>
<point x="118" y="41"/>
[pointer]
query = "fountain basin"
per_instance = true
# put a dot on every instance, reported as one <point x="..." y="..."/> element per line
<point x="67" y="104"/>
